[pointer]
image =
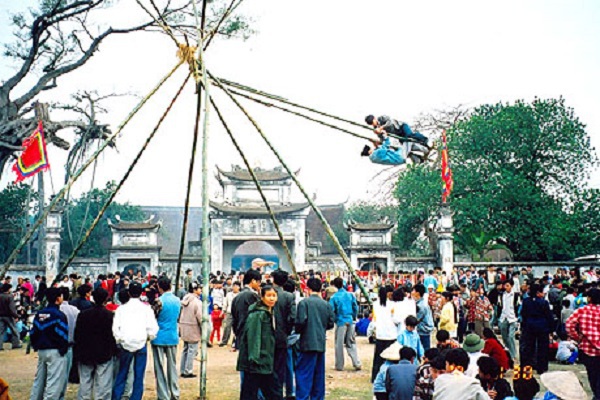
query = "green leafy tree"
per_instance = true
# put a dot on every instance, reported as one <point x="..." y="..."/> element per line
<point x="79" y="215"/>
<point x="521" y="173"/>
<point x="14" y="216"/>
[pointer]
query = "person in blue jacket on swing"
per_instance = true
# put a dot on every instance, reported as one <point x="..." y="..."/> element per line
<point x="383" y="153"/>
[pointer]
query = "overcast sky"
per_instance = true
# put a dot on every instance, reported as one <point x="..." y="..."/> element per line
<point x="349" y="58"/>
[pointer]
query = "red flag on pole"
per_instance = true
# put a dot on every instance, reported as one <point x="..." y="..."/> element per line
<point x="446" y="171"/>
<point x="34" y="157"/>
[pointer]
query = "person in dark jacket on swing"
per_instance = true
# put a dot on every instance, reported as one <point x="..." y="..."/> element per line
<point x="394" y="127"/>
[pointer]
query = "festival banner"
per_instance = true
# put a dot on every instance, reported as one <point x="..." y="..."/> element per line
<point x="446" y="170"/>
<point x="34" y="157"/>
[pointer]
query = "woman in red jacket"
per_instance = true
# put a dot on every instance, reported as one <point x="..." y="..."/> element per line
<point x="495" y="349"/>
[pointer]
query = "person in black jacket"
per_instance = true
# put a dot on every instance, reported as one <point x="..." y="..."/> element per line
<point x="8" y="316"/>
<point x="312" y="325"/>
<point x="95" y="347"/>
<point x="247" y="297"/>
<point x="82" y="301"/>
<point x="285" y="316"/>
<point x="536" y="327"/>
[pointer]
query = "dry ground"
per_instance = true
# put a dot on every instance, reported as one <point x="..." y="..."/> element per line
<point x="18" y="369"/>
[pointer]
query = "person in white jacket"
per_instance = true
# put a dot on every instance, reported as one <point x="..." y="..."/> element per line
<point x="386" y="331"/>
<point x="133" y="326"/>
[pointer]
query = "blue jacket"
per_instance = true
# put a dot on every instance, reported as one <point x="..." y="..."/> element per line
<point x="413" y="340"/>
<point x="400" y="380"/>
<point x="387" y="156"/>
<point x="168" y="334"/>
<point x="362" y="326"/>
<point x="425" y="318"/>
<point x="430" y="280"/>
<point x="345" y="308"/>
<point x="536" y="316"/>
<point x="379" y="382"/>
<point x="50" y="330"/>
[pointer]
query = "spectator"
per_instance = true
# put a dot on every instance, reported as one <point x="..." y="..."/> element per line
<point x="582" y="326"/>
<point x="449" y="315"/>
<point x="345" y="310"/>
<point x="410" y="338"/>
<point x="454" y="384"/>
<point x="216" y="317"/>
<point x="8" y="316"/>
<point x="489" y="377"/>
<point x="94" y="349"/>
<point x="228" y="321"/>
<point x="386" y="332"/>
<point x="424" y="383"/>
<point x="257" y="349"/>
<point x="71" y="312"/>
<point x="190" y="327"/>
<point x="424" y="316"/>
<point x="164" y="346"/>
<point x="473" y="345"/>
<point x="133" y="325"/>
<point x="363" y="324"/>
<point x="310" y="369"/>
<point x="536" y="327"/>
<point x="496" y="350"/>
<point x="391" y="355"/>
<point x="401" y="378"/>
<point x="50" y="337"/>
<point x="509" y="304"/>
<point x="82" y="301"/>
<point x="567" y="350"/>
<point x="284" y="313"/>
<point x="563" y="385"/>
<point x="444" y="341"/>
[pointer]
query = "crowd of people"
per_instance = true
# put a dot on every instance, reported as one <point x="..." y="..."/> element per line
<point x="434" y="335"/>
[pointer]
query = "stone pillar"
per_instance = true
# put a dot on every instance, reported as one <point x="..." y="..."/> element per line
<point x="52" y="244"/>
<point x="445" y="232"/>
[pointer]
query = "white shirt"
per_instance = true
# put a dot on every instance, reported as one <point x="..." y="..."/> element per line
<point x="403" y="309"/>
<point x="134" y="324"/>
<point x="385" y="328"/>
<point x="473" y="369"/>
<point x="71" y="312"/>
<point x="508" y="307"/>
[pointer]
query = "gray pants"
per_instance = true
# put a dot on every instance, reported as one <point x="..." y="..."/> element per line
<point x="227" y="324"/>
<point x="479" y="325"/>
<point x="508" y="331"/>
<point x="9" y="322"/>
<point x="345" y="337"/>
<point x="96" y="379"/>
<point x="69" y="357"/>
<point x="167" y="385"/>
<point x="190" y="350"/>
<point x="50" y="375"/>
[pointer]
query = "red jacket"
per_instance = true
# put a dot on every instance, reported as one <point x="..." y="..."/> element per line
<point x="494" y="349"/>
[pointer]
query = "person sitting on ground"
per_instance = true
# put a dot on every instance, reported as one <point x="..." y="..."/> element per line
<point x="562" y="385"/>
<point x="524" y="383"/>
<point x="473" y="345"/>
<point x="394" y="127"/>
<point x="409" y="337"/>
<point x="438" y="365"/>
<point x="424" y="384"/>
<point x="391" y="355"/>
<point x="489" y="376"/>
<point x="401" y="378"/>
<point x="496" y="350"/>
<point x="363" y="324"/>
<point x="444" y="341"/>
<point x="455" y="384"/>
<point x="567" y="350"/>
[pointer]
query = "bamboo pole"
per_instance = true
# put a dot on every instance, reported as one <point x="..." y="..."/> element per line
<point x="74" y="177"/>
<point x="205" y="211"/>
<point x="316" y="209"/>
<point x="258" y="186"/>
<point x="123" y="180"/>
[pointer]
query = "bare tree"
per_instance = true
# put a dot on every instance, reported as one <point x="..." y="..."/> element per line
<point x="61" y="36"/>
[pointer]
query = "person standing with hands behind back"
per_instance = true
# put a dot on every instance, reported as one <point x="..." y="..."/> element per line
<point x="257" y="349"/>
<point x="310" y="368"/>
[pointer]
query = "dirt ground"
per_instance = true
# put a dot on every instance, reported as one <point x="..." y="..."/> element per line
<point x="18" y="369"/>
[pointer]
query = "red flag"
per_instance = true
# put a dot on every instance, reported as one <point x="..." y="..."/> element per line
<point x="446" y="171"/>
<point x="34" y="157"/>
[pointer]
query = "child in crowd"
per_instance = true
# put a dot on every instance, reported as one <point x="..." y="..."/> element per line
<point x="489" y="377"/>
<point x="424" y="384"/>
<point x="391" y="356"/>
<point x="410" y="338"/>
<point x="217" y="320"/>
<point x="567" y="350"/>
<point x="444" y="342"/>
<point x="566" y="312"/>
